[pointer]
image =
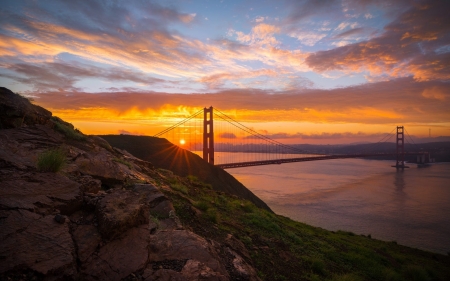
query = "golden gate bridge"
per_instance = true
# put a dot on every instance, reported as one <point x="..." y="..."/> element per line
<point x="210" y="131"/>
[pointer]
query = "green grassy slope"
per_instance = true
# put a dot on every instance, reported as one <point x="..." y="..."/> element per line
<point x="164" y="154"/>
<point x="282" y="249"/>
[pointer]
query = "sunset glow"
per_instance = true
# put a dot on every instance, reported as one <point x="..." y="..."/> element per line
<point x="298" y="71"/>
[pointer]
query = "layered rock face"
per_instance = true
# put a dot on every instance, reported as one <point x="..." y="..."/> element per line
<point x="102" y="217"/>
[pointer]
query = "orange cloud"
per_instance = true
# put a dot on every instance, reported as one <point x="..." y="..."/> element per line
<point x="435" y="93"/>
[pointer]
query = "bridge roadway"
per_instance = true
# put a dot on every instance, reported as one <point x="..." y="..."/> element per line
<point x="311" y="158"/>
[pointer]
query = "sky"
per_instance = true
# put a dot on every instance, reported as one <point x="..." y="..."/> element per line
<point x="302" y="71"/>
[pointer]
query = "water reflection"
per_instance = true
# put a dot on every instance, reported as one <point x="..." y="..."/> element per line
<point x="409" y="206"/>
<point x="399" y="181"/>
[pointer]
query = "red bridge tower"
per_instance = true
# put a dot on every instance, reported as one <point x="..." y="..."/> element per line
<point x="208" y="135"/>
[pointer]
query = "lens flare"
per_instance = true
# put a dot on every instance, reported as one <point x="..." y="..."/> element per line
<point x="182" y="141"/>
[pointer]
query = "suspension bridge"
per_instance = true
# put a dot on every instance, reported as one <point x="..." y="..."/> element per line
<point x="226" y="143"/>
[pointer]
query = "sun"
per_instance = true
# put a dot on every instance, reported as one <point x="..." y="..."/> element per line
<point x="182" y="141"/>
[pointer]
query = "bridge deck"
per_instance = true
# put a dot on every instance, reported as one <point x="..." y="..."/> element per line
<point x="304" y="159"/>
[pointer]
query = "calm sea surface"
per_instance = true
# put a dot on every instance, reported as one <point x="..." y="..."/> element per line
<point x="411" y="207"/>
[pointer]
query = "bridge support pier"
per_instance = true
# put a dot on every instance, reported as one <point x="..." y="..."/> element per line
<point x="208" y="135"/>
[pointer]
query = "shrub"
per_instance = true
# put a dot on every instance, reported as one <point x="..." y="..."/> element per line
<point x="247" y="207"/>
<point x="201" y="205"/>
<point x="192" y="178"/>
<point x="318" y="266"/>
<point x="212" y="216"/>
<point x="179" y="187"/>
<point x="414" y="272"/>
<point x="67" y="130"/>
<point x="51" y="160"/>
<point x="122" y="161"/>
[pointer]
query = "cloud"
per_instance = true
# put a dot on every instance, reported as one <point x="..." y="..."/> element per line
<point x="261" y="34"/>
<point x="322" y="136"/>
<point x="217" y="80"/>
<point x="259" y="19"/>
<point x="59" y="75"/>
<point x="406" y="48"/>
<point x="435" y="93"/>
<point x="227" y="136"/>
<point x="302" y="10"/>
<point x="349" y="33"/>
<point x="390" y="102"/>
<point x="307" y="38"/>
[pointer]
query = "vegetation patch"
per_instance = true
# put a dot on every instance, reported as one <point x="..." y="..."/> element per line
<point x="51" y="160"/>
<point x="67" y="129"/>
<point x="180" y="187"/>
<point x="201" y="205"/>
<point x="283" y="249"/>
<point x="123" y="161"/>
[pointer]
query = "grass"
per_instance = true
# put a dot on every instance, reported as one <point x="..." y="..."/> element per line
<point x="283" y="249"/>
<point x="51" y="160"/>
<point x="201" y="205"/>
<point x="67" y="129"/>
<point x="180" y="187"/>
<point x="123" y="161"/>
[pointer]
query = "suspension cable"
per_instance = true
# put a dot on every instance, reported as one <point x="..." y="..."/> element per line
<point x="179" y="123"/>
<point x="256" y="134"/>
<point x="416" y="145"/>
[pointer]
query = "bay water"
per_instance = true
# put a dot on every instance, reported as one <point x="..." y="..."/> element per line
<point x="410" y="206"/>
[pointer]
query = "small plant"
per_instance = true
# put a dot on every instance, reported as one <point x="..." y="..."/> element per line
<point x="122" y="161"/>
<point x="51" y="160"/>
<point x="318" y="266"/>
<point x="179" y="187"/>
<point x="67" y="129"/>
<point x="212" y="216"/>
<point x="201" y="205"/>
<point x="247" y="207"/>
<point x="155" y="220"/>
<point x="192" y="178"/>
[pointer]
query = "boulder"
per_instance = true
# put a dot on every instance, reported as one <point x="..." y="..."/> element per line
<point x="41" y="192"/>
<point x="37" y="242"/>
<point x="112" y="170"/>
<point x="121" y="210"/>
<point x="182" y="244"/>
<point x="87" y="239"/>
<point x="195" y="270"/>
<point x="89" y="184"/>
<point x="119" y="258"/>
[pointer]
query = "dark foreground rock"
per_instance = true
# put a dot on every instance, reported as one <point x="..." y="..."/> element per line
<point x="102" y="217"/>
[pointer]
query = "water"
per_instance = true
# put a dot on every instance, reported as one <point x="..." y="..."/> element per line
<point x="411" y="207"/>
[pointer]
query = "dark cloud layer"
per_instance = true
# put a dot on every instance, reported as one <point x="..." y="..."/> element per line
<point x="383" y="102"/>
<point x="56" y="75"/>
<point x="407" y="47"/>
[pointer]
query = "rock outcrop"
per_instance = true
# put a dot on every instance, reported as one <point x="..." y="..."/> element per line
<point x="102" y="217"/>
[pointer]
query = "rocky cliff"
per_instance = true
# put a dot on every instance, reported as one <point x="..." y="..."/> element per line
<point x="103" y="216"/>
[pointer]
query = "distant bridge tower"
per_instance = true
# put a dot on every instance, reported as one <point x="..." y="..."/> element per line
<point x="400" y="148"/>
<point x="208" y="135"/>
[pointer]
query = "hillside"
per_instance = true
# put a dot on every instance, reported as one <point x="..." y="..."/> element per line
<point x="72" y="207"/>
<point x="164" y="154"/>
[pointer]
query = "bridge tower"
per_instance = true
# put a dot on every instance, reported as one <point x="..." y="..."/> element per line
<point x="208" y="135"/>
<point x="400" y="148"/>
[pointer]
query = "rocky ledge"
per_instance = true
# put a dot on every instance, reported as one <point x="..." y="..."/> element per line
<point x="102" y="217"/>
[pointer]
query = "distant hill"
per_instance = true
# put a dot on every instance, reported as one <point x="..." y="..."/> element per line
<point x="164" y="154"/>
<point x="440" y="150"/>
